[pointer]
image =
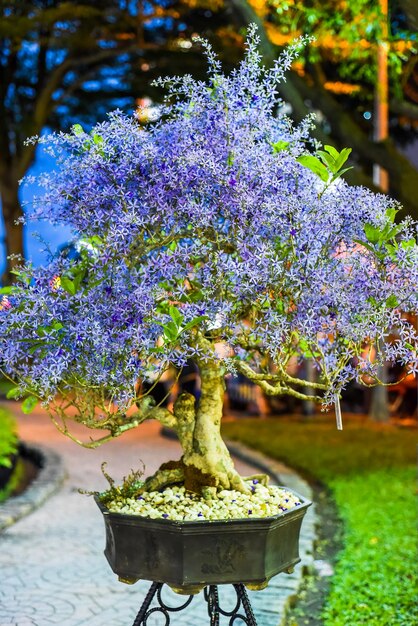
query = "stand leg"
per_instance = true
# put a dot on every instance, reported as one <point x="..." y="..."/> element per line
<point x="211" y="597"/>
<point x="145" y="605"/>
<point x="215" y="610"/>
<point x="243" y="596"/>
<point x="163" y="608"/>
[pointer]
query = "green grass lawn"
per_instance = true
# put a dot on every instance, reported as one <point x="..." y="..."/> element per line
<point x="370" y="470"/>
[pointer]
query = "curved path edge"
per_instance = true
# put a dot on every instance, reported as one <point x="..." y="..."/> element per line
<point x="49" y="479"/>
<point x="285" y="587"/>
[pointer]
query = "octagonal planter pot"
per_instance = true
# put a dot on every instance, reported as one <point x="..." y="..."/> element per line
<point x="190" y="555"/>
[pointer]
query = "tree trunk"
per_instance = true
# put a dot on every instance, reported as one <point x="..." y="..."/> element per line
<point x="206" y="465"/>
<point x="12" y="211"/>
<point x="207" y="460"/>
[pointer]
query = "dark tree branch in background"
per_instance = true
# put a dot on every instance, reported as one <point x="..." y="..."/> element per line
<point x="48" y="51"/>
<point x="307" y="93"/>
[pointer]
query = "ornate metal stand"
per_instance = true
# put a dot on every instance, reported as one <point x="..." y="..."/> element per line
<point x="211" y="597"/>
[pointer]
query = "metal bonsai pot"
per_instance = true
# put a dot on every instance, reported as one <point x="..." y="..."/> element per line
<point x="190" y="555"/>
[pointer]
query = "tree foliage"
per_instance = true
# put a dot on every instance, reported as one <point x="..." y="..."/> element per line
<point x="222" y="223"/>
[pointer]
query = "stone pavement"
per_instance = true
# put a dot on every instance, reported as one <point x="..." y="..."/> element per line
<point x="52" y="567"/>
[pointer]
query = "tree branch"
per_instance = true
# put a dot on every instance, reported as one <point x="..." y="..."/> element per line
<point x="346" y="132"/>
<point x="401" y="107"/>
<point x="44" y="103"/>
<point x="264" y="381"/>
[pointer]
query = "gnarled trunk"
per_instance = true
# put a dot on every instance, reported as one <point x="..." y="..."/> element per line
<point x="206" y="465"/>
<point x="207" y="460"/>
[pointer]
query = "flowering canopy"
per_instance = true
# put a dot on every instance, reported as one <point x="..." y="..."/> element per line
<point x="215" y="222"/>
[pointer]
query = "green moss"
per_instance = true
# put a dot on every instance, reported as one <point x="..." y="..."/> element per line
<point x="370" y="471"/>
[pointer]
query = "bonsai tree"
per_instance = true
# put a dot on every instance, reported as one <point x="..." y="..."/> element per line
<point x="222" y="235"/>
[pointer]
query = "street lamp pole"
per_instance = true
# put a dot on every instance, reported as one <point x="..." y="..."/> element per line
<point x="379" y="409"/>
<point x="381" y="99"/>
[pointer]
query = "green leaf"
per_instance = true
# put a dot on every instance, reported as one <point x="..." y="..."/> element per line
<point x="14" y="392"/>
<point x="327" y="160"/>
<point x="279" y="146"/>
<point x="195" y="296"/>
<point x="22" y="275"/>
<point x="392" y="301"/>
<point x="280" y="306"/>
<point x="7" y="290"/>
<point x="373" y="233"/>
<point x="194" y="322"/>
<point x="391" y="214"/>
<point x="29" y="404"/>
<point x="77" y="129"/>
<point x="230" y="160"/>
<point x="392" y="250"/>
<point x="37" y="346"/>
<point x="315" y="165"/>
<point x="175" y="315"/>
<point x="332" y="151"/>
<point x="366" y="245"/>
<point x="68" y="285"/>
<point x="157" y="350"/>
<point x="409" y="243"/>
<point x="78" y="277"/>
<point x="170" y="331"/>
<point x="305" y="349"/>
<point x="341" y="172"/>
<point x="97" y="139"/>
<point x="342" y="158"/>
<point x="163" y="306"/>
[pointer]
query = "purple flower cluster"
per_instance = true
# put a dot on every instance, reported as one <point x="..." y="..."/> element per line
<point x="199" y="223"/>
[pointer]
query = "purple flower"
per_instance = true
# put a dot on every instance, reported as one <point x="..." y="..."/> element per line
<point x="170" y="245"/>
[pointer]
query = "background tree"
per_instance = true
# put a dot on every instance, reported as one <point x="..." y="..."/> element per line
<point x="63" y="62"/>
<point x="50" y="52"/>
<point x="338" y="73"/>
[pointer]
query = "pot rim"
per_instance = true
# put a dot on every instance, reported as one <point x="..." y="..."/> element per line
<point x="305" y="504"/>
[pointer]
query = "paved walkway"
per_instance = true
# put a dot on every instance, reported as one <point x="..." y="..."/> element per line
<point x="52" y="567"/>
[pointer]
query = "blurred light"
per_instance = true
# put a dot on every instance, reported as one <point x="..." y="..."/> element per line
<point x="146" y="111"/>
<point x="185" y="44"/>
<point x="367" y="115"/>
